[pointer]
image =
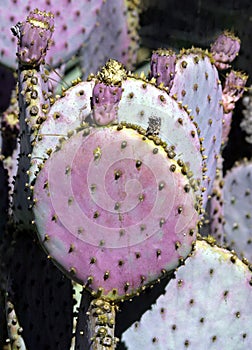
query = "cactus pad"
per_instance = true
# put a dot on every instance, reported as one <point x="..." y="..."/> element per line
<point x="233" y="89"/>
<point x="237" y="193"/>
<point x="99" y="29"/>
<point x="144" y="104"/>
<point x="14" y="329"/>
<point x="66" y="114"/>
<point x="34" y="36"/>
<point x="115" y="35"/>
<point x="196" y="84"/>
<point x="225" y="49"/>
<point x="163" y="66"/>
<point x="200" y="309"/>
<point x="68" y="36"/>
<point x="246" y="123"/>
<point x="114" y="211"/>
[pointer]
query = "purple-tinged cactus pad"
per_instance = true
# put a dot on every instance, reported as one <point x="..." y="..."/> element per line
<point x="141" y="103"/>
<point x="227" y="121"/>
<point x="115" y="35"/>
<point x="207" y="306"/>
<point x="105" y="101"/>
<point x="65" y="115"/>
<point x="107" y="92"/>
<point x="101" y="29"/>
<point x="196" y="84"/>
<point x="151" y="108"/>
<point x="225" y="49"/>
<point x="163" y="66"/>
<point x="114" y="211"/>
<point x="233" y="89"/>
<point x="72" y="27"/>
<point x="34" y="37"/>
<point x="216" y="205"/>
<point x="237" y="193"/>
<point x="246" y="123"/>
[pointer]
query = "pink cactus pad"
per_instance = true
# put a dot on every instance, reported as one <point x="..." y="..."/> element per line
<point x="115" y="35"/>
<point x="34" y="36"/>
<point x="114" y="211"/>
<point x="197" y="85"/>
<point x="225" y="49"/>
<point x="207" y="306"/>
<point x="237" y="204"/>
<point x="105" y="101"/>
<point x="107" y="92"/>
<point x="233" y="89"/>
<point x="246" y="123"/>
<point x="163" y="66"/>
<point x="99" y="29"/>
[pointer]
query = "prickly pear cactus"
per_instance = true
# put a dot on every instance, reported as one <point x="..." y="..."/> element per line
<point x="135" y="213"/>
<point x="78" y="26"/>
<point x="14" y="328"/>
<point x="110" y="177"/>
<point x="225" y="49"/>
<point x="215" y="216"/>
<point x="143" y="221"/>
<point x="65" y="115"/>
<point x="163" y="67"/>
<point x="150" y="106"/>
<point x="33" y="98"/>
<point x="140" y="103"/>
<point x="200" y="308"/>
<point x="196" y="84"/>
<point x="237" y="193"/>
<point x="234" y="87"/>
<point x="115" y="35"/>
<point x="122" y="231"/>
<point x="233" y="90"/>
<point x="246" y="123"/>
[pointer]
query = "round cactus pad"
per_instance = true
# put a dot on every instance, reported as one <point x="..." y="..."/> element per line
<point x="114" y="211"/>
<point x="207" y="306"/>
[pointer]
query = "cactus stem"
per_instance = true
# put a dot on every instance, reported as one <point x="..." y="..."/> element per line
<point x="101" y="316"/>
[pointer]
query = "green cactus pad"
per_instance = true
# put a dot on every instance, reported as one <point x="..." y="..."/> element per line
<point x="207" y="306"/>
<point x="114" y="211"/>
